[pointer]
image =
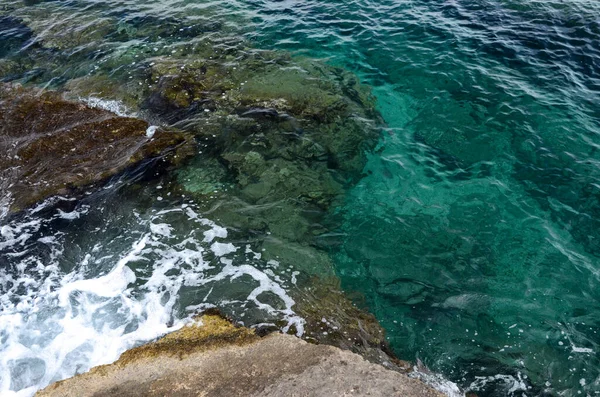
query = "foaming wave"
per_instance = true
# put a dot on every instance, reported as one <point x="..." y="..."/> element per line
<point x="115" y="107"/>
<point x="510" y="384"/>
<point x="63" y="313"/>
<point x="435" y="380"/>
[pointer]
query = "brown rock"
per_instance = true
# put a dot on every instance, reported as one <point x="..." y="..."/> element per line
<point x="218" y="359"/>
<point x="51" y="146"/>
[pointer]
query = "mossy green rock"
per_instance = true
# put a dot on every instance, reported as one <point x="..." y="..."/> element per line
<point x="283" y="135"/>
<point x="296" y="109"/>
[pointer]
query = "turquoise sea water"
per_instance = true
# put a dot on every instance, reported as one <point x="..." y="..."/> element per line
<point x="474" y="234"/>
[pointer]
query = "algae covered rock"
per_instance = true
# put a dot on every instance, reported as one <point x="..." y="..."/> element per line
<point x="211" y="332"/>
<point x="291" y="133"/>
<point x="214" y="358"/>
<point x="296" y="109"/>
<point x="51" y="146"/>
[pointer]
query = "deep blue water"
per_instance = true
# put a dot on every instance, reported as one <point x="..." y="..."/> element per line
<point x="474" y="236"/>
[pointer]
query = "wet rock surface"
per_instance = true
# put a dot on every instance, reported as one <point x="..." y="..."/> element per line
<point x="51" y="146"/>
<point x="214" y="358"/>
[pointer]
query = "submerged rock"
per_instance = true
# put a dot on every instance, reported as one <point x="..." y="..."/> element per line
<point x="281" y="138"/>
<point x="214" y="358"/>
<point x="287" y="135"/>
<point x="297" y="110"/>
<point x="13" y="34"/>
<point x="51" y="146"/>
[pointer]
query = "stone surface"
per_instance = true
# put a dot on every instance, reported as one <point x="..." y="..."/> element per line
<point x="218" y="359"/>
<point x="51" y="146"/>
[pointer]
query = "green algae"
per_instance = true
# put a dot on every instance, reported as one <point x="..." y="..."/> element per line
<point x="211" y="332"/>
<point x="290" y="152"/>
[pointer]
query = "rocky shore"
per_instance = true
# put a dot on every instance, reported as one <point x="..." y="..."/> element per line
<point x="214" y="358"/>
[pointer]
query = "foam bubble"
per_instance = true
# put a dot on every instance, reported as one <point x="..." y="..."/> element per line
<point x="150" y="131"/>
<point x="115" y="107"/>
<point x="436" y="381"/>
<point x="510" y="384"/>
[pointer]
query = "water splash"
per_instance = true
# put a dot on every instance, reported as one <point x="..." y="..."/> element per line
<point x="70" y="304"/>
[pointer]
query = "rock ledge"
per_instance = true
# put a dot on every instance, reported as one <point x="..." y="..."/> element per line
<point x="214" y="358"/>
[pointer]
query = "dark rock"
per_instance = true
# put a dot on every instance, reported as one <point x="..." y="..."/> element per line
<point x="51" y="146"/>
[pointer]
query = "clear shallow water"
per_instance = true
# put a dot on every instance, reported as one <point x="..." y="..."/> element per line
<point x="474" y="235"/>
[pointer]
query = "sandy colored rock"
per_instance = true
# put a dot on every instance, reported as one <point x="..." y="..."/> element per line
<point x="218" y="359"/>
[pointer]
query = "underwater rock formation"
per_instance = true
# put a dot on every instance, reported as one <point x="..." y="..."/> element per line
<point x="214" y="358"/>
<point x="280" y="139"/>
<point x="290" y="133"/>
<point x="51" y="146"/>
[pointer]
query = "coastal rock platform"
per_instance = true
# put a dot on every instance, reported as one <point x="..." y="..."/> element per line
<point x="215" y="358"/>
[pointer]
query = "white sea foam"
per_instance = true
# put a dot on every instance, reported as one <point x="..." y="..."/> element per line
<point x="510" y="383"/>
<point x="582" y="350"/>
<point x="162" y="229"/>
<point x="150" y="131"/>
<point x="216" y="231"/>
<point x="73" y="214"/>
<point x="221" y="249"/>
<point x="437" y="381"/>
<point x="115" y="107"/>
<point x="5" y="202"/>
<point x="60" y="318"/>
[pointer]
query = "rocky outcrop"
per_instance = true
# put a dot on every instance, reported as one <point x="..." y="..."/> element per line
<point x="51" y="146"/>
<point x="214" y="358"/>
